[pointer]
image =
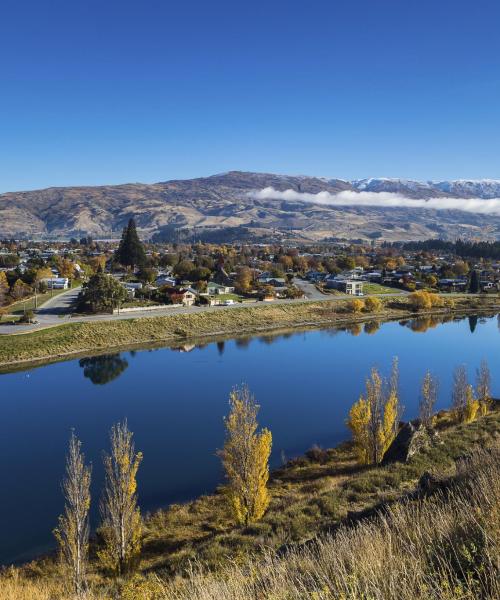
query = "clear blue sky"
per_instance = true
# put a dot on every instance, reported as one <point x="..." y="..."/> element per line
<point x="110" y="91"/>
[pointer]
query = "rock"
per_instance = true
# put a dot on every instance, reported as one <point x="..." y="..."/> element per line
<point x="411" y="438"/>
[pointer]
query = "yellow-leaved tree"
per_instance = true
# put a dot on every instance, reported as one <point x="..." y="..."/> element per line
<point x="245" y="458"/>
<point x="374" y="418"/>
<point x="121" y="519"/>
<point x="472" y="406"/>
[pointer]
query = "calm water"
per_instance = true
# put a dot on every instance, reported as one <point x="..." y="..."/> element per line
<point x="175" y="401"/>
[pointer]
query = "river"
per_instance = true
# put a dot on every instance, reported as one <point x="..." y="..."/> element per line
<point x="175" y="400"/>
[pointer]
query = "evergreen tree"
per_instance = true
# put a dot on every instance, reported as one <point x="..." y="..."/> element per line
<point x="474" y="285"/>
<point x="130" y="252"/>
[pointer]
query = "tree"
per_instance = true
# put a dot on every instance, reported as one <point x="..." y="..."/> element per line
<point x="483" y="387"/>
<point x="19" y="290"/>
<point x="130" y="252"/>
<point x="243" y="280"/>
<point x="428" y="398"/>
<point x="459" y="391"/>
<point x="72" y="533"/>
<point x="471" y="407"/>
<point x="102" y="293"/>
<point x="475" y="283"/>
<point x="4" y="287"/>
<point x="245" y="458"/>
<point x="121" y="528"/>
<point x="66" y="268"/>
<point x="374" y="418"/>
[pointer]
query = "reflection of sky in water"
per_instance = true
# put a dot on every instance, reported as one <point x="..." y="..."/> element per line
<point x="175" y="399"/>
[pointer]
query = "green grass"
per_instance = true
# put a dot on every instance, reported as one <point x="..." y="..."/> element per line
<point x="376" y="288"/>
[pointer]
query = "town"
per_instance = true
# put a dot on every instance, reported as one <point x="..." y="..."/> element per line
<point x="151" y="276"/>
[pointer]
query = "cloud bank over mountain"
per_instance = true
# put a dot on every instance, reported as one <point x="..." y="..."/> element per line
<point x="349" y="198"/>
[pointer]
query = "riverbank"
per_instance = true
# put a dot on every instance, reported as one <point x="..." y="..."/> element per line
<point x="83" y="338"/>
<point x="323" y="493"/>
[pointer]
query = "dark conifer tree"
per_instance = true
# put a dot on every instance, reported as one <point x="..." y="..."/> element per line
<point x="475" y="284"/>
<point x="130" y="252"/>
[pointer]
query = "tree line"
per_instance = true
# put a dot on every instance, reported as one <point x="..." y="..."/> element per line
<point x="460" y="248"/>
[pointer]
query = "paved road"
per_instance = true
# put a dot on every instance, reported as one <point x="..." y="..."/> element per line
<point x="58" y="310"/>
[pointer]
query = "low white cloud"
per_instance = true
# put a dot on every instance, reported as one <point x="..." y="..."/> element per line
<point x="383" y="200"/>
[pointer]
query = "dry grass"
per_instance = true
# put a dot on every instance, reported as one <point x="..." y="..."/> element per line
<point x="440" y="547"/>
<point x="93" y="337"/>
<point x="314" y="499"/>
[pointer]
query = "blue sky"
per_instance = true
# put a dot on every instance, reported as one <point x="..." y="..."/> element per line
<point x="105" y="91"/>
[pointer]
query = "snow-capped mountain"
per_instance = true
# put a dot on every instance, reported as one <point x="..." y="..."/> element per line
<point x="460" y="188"/>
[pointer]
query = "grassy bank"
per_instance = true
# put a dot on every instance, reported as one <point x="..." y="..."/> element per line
<point x="94" y="337"/>
<point x="323" y="537"/>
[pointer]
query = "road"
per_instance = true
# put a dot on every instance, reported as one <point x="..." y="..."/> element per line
<point x="59" y="309"/>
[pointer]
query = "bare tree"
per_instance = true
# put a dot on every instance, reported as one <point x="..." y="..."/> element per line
<point x="72" y="533"/>
<point x="459" y="392"/>
<point x="121" y="517"/>
<point x="428" y="398"/>
<point x="483" y="386"/>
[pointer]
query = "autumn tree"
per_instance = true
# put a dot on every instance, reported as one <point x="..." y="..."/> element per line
<point x="471" y="407"/>
<point x="355" y="305"/>
<point x="4" y="287"/>
<point x="72" y="533"/>
<point x="428" y="398"/>
<point x="373" y="304"/>
<point x="19" y="290"/>
<point x="483" y="387"/>
<point x="245" y="458"/>
<point x="243" y="280"/>
<point x="374" y="418"/>
<point x="121" y="519"/>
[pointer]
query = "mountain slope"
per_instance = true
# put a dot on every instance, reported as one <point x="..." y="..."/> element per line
<point x="214" y="206"/>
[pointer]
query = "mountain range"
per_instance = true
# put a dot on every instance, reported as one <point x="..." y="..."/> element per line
<point x="228" y="207"/>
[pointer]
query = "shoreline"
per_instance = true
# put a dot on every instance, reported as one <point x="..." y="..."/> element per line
<point x="76" y="340"/>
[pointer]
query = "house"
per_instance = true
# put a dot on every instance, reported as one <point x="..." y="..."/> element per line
<point x="185" y="296"/>
<point x="353" y="287"/>
<point x="131" y="287"/>
<point x="56" y="283"/>
<point x="165" y="280"/>
<point x="216" y="289"/>
<point x="274" y="281"/>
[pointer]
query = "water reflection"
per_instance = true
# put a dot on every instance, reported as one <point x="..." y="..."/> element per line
<point x="103" y="369"/>
<point x="473" y="323"/>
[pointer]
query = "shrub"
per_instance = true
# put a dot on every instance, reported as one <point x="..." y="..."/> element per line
<point x="355" y="306"/>
<point x="373" y="304"/>
<point x="423" y="300"/>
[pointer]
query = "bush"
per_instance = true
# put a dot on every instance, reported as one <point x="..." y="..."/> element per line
<point x="373" y="304"/>
<point x="355" y="306"/>
<point x="423" y="300"/>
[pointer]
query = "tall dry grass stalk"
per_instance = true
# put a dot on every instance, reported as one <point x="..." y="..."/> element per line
<point x="441" y="547"/>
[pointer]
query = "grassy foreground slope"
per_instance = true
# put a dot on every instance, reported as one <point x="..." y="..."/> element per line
<point x="93" y="337"/>
<point x="333" y="530"/>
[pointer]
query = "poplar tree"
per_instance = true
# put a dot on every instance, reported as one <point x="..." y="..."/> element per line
<point x="245" y="458"/>
<point x="459" y="391"/>
<point x="483" y="387"/>
<point x="72" y="533"/>
<point x="121" y="520"/>
<point x="428" y="398"/>
<point x="374" y="418"/>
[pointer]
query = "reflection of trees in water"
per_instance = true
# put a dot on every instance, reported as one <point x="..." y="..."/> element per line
<point x="103" y="369"/>
<point x="372" y="327"/>
<point x="473" y="323"/>
<point x="220" y="348"/>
